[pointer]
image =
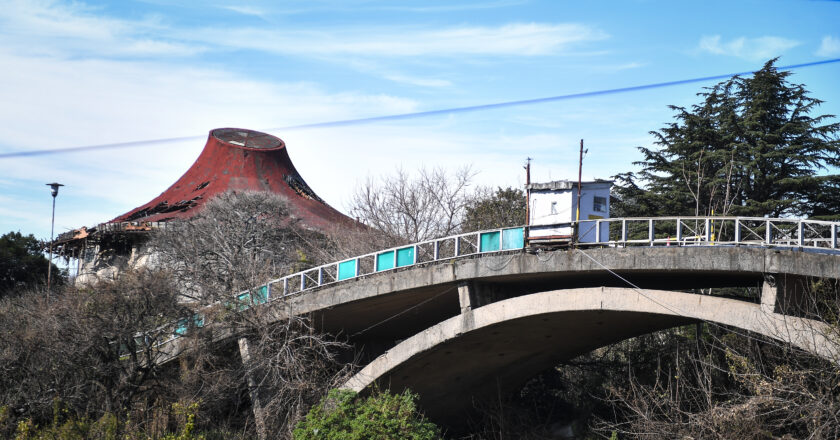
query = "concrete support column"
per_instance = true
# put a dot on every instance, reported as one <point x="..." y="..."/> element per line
<point x="253" y="388"/>
<point x="472" y="295"/>
<point x="786" y="294"/>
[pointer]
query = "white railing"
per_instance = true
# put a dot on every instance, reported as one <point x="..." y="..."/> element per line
<point x="611" y="232"/>
<point x="711" y="231"/>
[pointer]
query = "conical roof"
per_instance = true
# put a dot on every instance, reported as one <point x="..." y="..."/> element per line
<point x="238" y="159"/>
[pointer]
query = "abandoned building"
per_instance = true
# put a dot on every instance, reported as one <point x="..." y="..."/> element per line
<point x="232" y="159"/>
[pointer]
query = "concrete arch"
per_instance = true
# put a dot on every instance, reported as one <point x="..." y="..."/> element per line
<point x="502" y="344"/>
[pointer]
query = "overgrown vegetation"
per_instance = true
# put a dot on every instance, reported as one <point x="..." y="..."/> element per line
<point x="381" y="416"/>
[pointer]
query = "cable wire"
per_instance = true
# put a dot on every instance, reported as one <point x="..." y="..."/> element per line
<point x="413" y="115"/>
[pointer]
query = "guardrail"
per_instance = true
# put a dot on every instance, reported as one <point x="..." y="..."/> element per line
<point x="705" y="231"/>
<point x="619" y="232"/>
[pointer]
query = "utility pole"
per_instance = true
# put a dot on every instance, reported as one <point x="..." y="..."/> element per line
<point x="527" y="192"/>
<point x="54" y="191"/>
<point x="580" y="184"/>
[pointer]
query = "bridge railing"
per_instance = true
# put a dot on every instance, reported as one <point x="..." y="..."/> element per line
<point x="446" y="248"/>
<point x="706" y="231"/>
<point x="611" y="232"/>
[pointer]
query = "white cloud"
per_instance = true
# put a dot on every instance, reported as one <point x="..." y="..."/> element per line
<point x="415" y="81"/>
<point x="244" y="10"/>
<point x="519" y="39"/>
<point x="50" y="28"/>
<point x="760" y="48"/>
<point x="830" y="46"/>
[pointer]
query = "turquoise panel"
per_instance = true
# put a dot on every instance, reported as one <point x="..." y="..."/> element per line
<point x="198" y="320"/>
<point x="489" y="242"/>
<point x="385" y="261"/>
<point x="244" y="300"/>
<point x="513" y="238"/>
<point x="260" y="295"/>
<point x="181" y="327"/>
<point x="346" y="270"/>
<point x="405" y="256"/>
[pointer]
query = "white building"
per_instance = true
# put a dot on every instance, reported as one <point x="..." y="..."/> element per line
<point x="553" y="208"/>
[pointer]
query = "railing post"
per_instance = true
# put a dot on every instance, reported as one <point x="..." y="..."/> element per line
<point x="800" y="233"/>
<point x="834" y="236"/>
<point x="358" y="264"/>
<point x="285" y="286"/>
<point x="624" y="231"/>
<point x="597" y="231"/>
<point x="501" y="234"/>
<point x="414" y="257"/>
<point x="267" y="292"/>
<point x="768" y="234"/>
<point x="436" y="251"/>
<point x="679" y="231"/>
<point x="737" y="231"/>
<point x="302" y="281"/>
<point x="708" y="233"/>
<point x="457" y="246"/>
<point x="651" y="234"/>
<point x="320" y="276"/>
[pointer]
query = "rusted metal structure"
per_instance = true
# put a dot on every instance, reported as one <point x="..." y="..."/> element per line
<point x="232" y="159"/>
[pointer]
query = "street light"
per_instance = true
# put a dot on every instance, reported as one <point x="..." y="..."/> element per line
<point x="54" y="186"/>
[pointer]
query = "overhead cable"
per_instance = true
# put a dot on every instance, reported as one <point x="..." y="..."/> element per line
<point x="413" y="115"/>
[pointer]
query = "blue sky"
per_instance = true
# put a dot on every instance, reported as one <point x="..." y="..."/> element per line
<point x="91" y="72"/>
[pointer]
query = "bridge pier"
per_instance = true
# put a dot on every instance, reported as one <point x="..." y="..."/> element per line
<point x="472" y="294"/>
<point x="788" y="295"/>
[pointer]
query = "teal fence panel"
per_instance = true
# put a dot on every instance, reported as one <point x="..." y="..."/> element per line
<point x="198" y="320"/>
<point x="346" y="270"/>
<point x="405" y="256"/>
<point x="513" y="238"/>
<point x="244" y="300"/>
<point x="181" y="327"/>
<point x="489" y="242"/>
<point x="260" y="295"/>
<point x="385" y="261"/>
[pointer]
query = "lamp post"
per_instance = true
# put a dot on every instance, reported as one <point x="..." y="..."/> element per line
<point x="54" y="191"/>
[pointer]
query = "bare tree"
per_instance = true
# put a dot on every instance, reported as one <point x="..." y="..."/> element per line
<point x="408" y="209"/>
<point x="238" y="242"/>
<point x="734" y="385"/>
<point x="92" y="348"/>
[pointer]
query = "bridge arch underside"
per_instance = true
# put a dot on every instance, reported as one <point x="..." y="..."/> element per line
<point x="376" y="311"/>
<point x="500" y="346"/>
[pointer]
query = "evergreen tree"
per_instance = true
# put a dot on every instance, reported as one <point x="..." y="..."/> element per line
<point x="22" y="263"/>
<point x="750" y="148"/>
<point x="497" y="208"/>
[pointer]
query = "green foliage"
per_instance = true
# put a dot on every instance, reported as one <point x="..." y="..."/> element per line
<point x="750" y="148"/>
<point x="22" y="265"/>
<point x="495" y="209"/>
<point x="381" y="416"/>
<point x="107" y="427"/>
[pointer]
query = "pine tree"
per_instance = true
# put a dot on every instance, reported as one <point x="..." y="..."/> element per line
<point x="750" y="148"/>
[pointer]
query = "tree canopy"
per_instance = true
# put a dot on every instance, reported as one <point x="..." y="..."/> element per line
<point x="22" y="265"/>
<point x="750" y="148"/>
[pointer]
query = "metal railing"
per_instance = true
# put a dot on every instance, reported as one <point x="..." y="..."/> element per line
<point x="711" y="231"/>
<point x="611" y="232"/>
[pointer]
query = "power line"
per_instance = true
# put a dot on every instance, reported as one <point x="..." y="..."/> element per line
<point x="415" y="115"/>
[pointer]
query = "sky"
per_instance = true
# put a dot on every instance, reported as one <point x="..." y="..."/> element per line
<point x="88" y="72"/>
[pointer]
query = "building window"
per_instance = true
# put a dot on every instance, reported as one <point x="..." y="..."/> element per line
<point x="599" y="204"/>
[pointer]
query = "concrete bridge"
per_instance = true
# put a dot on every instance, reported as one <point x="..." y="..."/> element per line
<point x="482" y="314"/>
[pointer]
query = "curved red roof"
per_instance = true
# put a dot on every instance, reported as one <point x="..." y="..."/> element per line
<point x="238" y="159"/>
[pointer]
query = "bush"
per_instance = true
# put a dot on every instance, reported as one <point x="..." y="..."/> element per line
<point x="380" y="416"/>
